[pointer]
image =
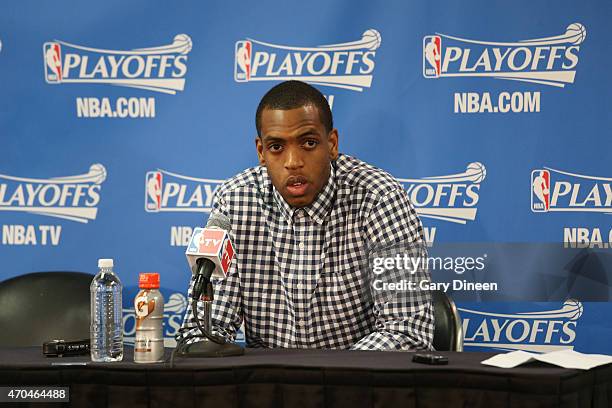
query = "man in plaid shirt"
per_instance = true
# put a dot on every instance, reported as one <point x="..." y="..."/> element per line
<point x="304" y="223"/>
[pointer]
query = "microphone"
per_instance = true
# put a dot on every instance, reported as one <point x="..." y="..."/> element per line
<point x="209" y="253"/>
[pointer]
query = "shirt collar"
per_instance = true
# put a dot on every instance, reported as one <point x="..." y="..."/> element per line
<point x="318" y="209"/>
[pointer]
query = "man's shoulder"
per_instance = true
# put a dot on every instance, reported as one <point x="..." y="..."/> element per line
<point x="250" y="179"/>
<point x="354" y="173"/>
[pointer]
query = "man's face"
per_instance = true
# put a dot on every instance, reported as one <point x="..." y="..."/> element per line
<point x="296" y="149"/>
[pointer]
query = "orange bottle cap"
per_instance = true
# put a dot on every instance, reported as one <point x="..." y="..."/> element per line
<point x="148" y="280"/>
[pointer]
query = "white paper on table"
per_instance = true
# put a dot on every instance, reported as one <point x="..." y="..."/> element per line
<point x="510" y="360"/>
<point x="563" y="358"/>
<point x="573" y="359"/>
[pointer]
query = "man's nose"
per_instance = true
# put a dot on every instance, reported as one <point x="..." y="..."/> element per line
<point x="293" y="160"/>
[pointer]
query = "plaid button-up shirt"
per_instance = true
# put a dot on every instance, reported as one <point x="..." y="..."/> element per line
<point x="301" y="277"/>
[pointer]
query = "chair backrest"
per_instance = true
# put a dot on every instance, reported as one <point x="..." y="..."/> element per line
<point x="44" y="306"/>
<point x="448" y="331"/>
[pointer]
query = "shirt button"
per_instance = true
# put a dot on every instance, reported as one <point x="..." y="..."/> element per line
<point x="301" y="245"/>
<point x="299" y="213"/>
<point x="300" y="323"/>
<point x="299" y="286"/>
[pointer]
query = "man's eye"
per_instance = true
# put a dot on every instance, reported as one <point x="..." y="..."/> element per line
<point x="275" y="147"/>
<point x="311" y="144"/>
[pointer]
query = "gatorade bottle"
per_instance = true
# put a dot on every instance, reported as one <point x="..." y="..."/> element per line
<point x="149" y="305"/>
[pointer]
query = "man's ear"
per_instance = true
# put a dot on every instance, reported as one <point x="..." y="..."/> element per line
<point x="259" y="146"/>
<point x="332" y="143"/>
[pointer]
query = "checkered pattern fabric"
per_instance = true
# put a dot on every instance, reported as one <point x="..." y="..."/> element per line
<point x="302" y="277"/>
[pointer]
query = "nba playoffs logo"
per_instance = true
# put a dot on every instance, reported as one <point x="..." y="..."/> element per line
<point x="159" y="69"/>
<point x="73" y="198"/>
<point x="561" y="191"/>
<point x="534" y="330"/>
<point x="432" y="46"/>
<point x="548" y="60"/>
<point x="242" y="67"/>
<point x="53" y="59"/>
<point x="171" y="192"/>
<point x="450" y="197"/>
<point x="348" y="65"/>
<point x="153" y="189"/>
<point x="174" y="311"/>
<point x="540" y="190"/>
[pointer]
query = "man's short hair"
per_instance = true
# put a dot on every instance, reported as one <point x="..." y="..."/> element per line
<point x="291" y="95"/>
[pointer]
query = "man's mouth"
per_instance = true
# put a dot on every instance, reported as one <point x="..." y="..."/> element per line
<point x="297" y="185"/>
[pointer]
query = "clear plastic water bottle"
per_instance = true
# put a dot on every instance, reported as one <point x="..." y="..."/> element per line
<point x="106" y="328"/>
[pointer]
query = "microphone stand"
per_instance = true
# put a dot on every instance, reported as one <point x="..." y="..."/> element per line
<point x="211" y="346"/>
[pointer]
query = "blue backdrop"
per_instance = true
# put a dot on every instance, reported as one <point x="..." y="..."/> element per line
<point x="118" y="120"/>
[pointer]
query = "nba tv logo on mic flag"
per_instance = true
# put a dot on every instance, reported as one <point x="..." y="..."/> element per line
<point x="213" y="244"/>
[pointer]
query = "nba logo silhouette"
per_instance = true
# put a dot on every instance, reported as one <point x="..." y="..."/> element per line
<point x="432" y="46"/>
<point x="540" y="190"/>
<point x="194" y="243"/>
<point x="153" y="186"/>
<point x="53" y="62"/>
<point x="242" y="66"/>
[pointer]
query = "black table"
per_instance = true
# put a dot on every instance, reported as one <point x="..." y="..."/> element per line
<point x="309" y="378"/>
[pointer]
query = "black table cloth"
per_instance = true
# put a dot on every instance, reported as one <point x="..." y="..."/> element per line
<point x="308" y="378"/>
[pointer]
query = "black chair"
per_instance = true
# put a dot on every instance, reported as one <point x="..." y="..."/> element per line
<point x="44" y="306"/>
<point x="448" y="330"/>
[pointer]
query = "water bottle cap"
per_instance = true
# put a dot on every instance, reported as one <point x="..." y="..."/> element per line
<point x="105" y="263"/>
<point x="148" y="280"/>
